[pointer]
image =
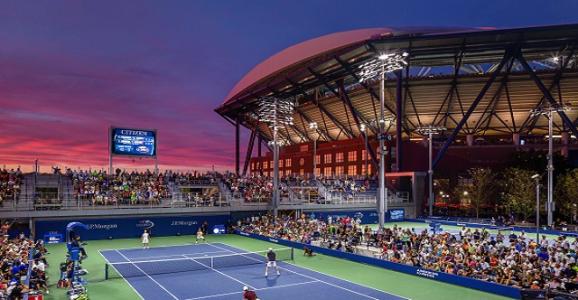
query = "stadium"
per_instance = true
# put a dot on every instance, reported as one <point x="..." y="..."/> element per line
<point x="381" y="163"/>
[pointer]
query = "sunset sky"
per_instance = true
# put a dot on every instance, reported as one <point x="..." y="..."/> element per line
<point x="70" y="69"/>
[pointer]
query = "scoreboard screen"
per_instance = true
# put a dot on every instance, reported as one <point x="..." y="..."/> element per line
<point x="133" y="142"/>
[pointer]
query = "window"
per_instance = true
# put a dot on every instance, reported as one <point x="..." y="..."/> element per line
<point x="339" y="170"/>
<point x="304" y="148"/>
<point x="327" y="171"/>
<point x="288" y="163"/>
<point x="265" y="165"/>
<point x="364" y="155"/>
<point x="301" y="172"/>
<point x="317" y="159"/>
<point x="352" y="156"/>
<point x="352" y="170"/>
<point x="301" y="162"/>
<point x="271" y="164"/>
<point x="253" y="166"/>
<point x="280" y="163"/>
<point x="287" y="172"/>
<point x="317" y="171"/>
<point x="327" y="158"/>
<point x="339" y="157"/>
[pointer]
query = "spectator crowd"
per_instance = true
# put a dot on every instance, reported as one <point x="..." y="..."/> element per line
<point x="510" y="259"/>
<point x="10" y="183"/>
<point x="22" y="266"/>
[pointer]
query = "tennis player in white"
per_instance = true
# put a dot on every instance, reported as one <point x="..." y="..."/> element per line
<point x="145" y="239"/>
<point x="271" y="262"/>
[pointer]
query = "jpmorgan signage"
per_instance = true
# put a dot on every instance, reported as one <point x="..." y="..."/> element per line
<point x="132" y="227"/>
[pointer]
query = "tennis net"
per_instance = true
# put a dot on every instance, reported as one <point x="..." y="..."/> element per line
<point x="189" y="263"/>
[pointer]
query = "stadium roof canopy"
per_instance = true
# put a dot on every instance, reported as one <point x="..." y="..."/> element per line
<point x="473" y="81"/>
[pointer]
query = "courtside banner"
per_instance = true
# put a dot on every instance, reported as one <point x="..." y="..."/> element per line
<point x="132" y="227"/>
<point x="364" y="216"/>
<point x="470" y="283"/>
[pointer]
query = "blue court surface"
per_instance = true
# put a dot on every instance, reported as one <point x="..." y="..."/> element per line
<point x="204" y="280"/>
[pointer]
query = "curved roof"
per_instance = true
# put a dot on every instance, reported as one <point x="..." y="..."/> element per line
<point x="321" y="45"/>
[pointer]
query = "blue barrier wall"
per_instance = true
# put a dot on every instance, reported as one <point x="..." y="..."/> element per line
<point x="366" y="216"/>
<point x="489" y="226"/>
<point x="489" y="287"/>
<point x="131" y="227"/>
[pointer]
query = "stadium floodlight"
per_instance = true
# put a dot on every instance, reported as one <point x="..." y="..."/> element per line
<point x="383" y="63"/>
<point x="429" y="131"/>
<point x="276" y="112"/>
<point x="378" y="67"/>
<point x="313" y="125"/>
<point x="548" y="113"/>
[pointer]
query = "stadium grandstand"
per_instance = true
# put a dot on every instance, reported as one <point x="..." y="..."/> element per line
<point x="463" y="127"/>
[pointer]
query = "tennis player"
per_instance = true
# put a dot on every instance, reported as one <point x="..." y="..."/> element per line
<point x="249" y="294"/>
<point x="145" y="239"/>
<point x="271" y="262"/>
<point x="200" y="236"/>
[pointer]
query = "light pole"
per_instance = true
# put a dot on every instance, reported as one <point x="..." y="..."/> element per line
<point x="429" y="131"/>
<point x="313" y="125"/>
<point x="536" y="177"/>
<point x="276" y="112"/>
<point x="378" y="67"/>
<point x="362" y="128"/>
<point x="548" y="113"/>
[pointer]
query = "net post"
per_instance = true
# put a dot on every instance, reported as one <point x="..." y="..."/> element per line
<point x="292" y="254"/>
<point x="105" y="271"/>
<point x="212" y="262"/>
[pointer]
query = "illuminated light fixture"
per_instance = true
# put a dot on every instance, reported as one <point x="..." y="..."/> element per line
<point x="377" y="68"/>
<point x="313" y="125"/>
<point x="362" y="127"/>
<point x="548" y="113"/>
<point x="276" y="112"/>
<point x="429" y="131"/>
<point x="384" y="63"/>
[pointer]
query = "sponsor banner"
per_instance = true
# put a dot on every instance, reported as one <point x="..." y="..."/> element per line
<point x="365" y="216"/>
<point x="470" y="283"/>
<point x="131" y="227"/>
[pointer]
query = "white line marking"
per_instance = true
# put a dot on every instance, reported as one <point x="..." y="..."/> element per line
<point x="164" y="246"/>
<point x="141" y="258"/>
<point x="310" y="277"/>
<point x="261" y="289"/>
<point x="360" y="284"/>
<point x="147" y="275"/>
<point x="125" y="280"/>
<point x="228" y="276"/>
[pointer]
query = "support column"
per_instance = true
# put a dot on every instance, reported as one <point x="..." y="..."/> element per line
<point x="237" y="147"/>
<point x="470" y="140"/>
<point x="398" y="122"/>
<point x="565" y="141"/>
<point x="259" y="154"/>
<point x="516" y="139"/>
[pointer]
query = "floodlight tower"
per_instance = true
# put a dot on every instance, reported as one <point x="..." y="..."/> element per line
<point x="313" y="125"/>
<point x="378" y="67"/>
<point x="429" y="131"/>
<point x="548" y="113"/>
<point x="276" y="112"/>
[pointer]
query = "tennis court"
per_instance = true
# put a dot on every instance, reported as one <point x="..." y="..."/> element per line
<point x="219" y="271"/>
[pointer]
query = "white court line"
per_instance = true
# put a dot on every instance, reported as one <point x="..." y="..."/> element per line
<point x="147" y="275"/>
<point x="211" y="268"/>
<point x="322" y="281"/>
<point x="125" y="280"/>
<point x="306" y="268"/>
<point x="143" y="258"/>
<point x="164" y="246"/>
<point x="261" y="289"/>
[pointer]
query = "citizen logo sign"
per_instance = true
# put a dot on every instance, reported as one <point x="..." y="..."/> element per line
<point x="102" y="226"/>
<point x="274" y="240"/>
<point x="145" y="224"/>
<point x="426" y="273"/>
<point x="245" y="234"/>
<point x="184" y="223"/>
<point x="133" y="132"/>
